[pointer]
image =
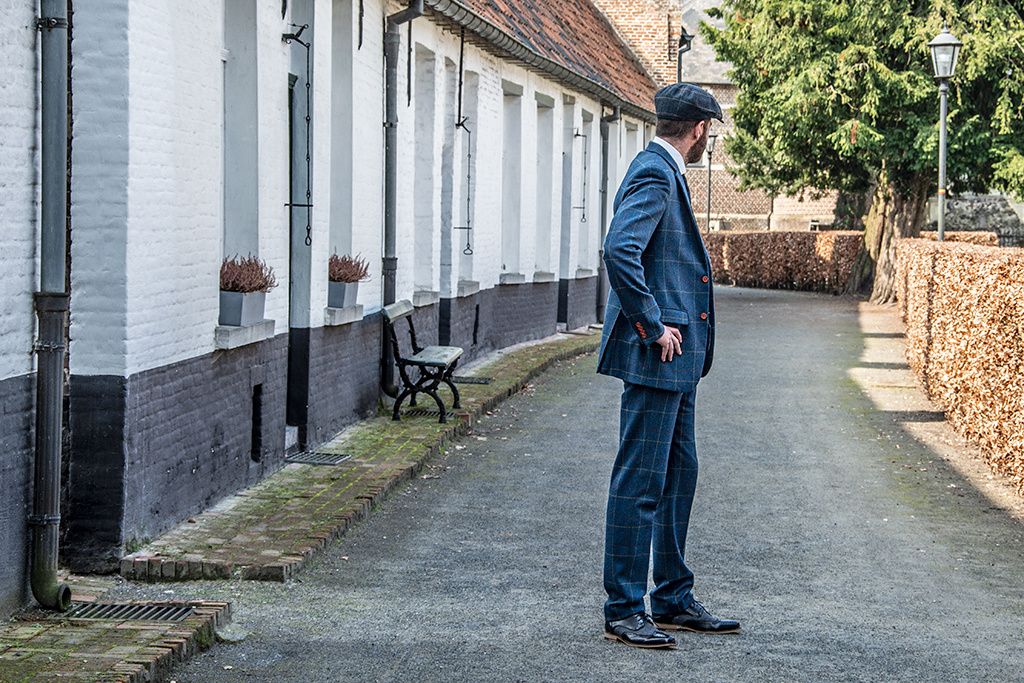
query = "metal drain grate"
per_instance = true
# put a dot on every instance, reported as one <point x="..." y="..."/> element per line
<point x="472" y="380"/>
<point x="123" y="611"/>
<point x="421" y="412"/>
<point x="316" y="458"/>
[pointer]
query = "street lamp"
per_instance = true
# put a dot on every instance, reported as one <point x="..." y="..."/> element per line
<point x="945" y="49"/>
<point x="685" y="41"/>
<point x="712" y="136"/>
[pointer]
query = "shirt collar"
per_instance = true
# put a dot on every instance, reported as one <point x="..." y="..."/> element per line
<point x="673" y="152"/>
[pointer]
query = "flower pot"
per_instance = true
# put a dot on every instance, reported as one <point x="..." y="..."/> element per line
<point x="342" y="294"/>
<point x="241" y="308"/>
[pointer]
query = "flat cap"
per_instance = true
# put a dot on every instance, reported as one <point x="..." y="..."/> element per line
<point x="686" y="102"/>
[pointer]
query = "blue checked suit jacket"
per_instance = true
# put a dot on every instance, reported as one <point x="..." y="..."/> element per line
<point x="660" y="275"/>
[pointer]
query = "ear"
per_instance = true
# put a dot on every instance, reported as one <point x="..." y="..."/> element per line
<point x="698" y="130"/>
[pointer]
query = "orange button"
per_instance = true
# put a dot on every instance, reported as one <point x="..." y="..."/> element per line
<point x="703" y="316"/>
<point x="705" y="278"/>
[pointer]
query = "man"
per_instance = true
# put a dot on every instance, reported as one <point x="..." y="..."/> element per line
<point x="658" y="339"/>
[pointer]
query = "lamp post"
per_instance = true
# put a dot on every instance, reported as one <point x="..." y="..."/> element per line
<point x="685" y="41"/>
<point x="945" y="49"/>
<point x="712" y="136"/>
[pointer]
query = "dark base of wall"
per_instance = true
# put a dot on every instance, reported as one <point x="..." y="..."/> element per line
<point x="150" y="451"/>
<point x="16" y="458"/>
<point x="499" y="317"/>
<point x="580" y="297"/>
<point x="344" y="376"/>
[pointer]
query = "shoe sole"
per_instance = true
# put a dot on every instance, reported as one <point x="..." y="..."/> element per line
<point x="674" y="627"/>
<point x="666" y="646"/>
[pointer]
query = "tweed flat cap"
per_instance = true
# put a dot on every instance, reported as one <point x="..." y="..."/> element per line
<point x="686" y="102"/>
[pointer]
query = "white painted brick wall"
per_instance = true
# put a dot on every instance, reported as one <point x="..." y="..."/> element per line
<point x="99" y="186"/>
<point x="19" y="194"/>
<point x="148" y="164"/>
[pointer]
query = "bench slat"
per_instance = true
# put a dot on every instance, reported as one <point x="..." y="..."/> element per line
<point x="398" y="310"/>
<point x="436" y="356"/>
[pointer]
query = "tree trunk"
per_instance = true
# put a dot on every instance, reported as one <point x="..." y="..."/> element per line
<point x="896" y="212"/>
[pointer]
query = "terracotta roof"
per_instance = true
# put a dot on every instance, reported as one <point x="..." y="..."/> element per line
<point x="573" y="34"/>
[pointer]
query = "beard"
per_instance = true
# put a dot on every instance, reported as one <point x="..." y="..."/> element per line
<point x="694" y="154"/>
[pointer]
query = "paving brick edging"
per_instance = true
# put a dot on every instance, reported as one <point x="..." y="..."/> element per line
<point x="86" y="649"/>
<point x="517" y="369"/>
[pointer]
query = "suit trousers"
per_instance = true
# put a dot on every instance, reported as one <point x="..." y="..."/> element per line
<point x="649" y="502"/>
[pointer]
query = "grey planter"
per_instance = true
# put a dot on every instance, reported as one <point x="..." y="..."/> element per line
<point x="241" y="308"/>
<point x="342" y="294"/>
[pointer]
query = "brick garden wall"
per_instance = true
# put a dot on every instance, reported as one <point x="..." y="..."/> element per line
<point x="963" y="305"/>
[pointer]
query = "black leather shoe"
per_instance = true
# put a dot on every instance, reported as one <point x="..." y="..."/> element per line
<point x="696" y="619"/>
<point x="637" y="630"/>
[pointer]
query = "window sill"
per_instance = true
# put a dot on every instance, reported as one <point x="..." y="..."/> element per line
<point x="511" y="279"/>
<point x="467" y="288"/>
<point x="425" y="297"/>
<point x="342" y="316"/>
<point x="231" y="337"/>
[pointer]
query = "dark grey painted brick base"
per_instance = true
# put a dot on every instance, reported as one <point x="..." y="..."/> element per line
<point x="344" y="376"/>
<point x="502" y="316"/>
<point x="16" y="457"/>
<point x="582" y="302"/>
<point x="149" y="451"/>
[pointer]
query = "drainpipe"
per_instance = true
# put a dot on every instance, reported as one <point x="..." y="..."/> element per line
<point x="602" y="273"/>
<point x="51" y="303"/>
<point x="392" y="44"/>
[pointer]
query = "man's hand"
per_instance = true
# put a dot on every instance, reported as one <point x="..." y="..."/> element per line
<point x="670" y="343"/>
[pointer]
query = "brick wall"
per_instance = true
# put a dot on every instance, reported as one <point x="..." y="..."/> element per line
<point x="651" y="28"/>
<point x="499" y="317"/>
<point x="19" y="194"/>
<point x="153" y="407"/>
<point x="185" y="428"/>
<point x="16" y="457"/>
<point x="344" y="376"/>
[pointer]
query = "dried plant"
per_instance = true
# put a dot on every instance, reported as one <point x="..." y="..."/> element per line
<point x="347" y="268"/>
<point x="248" y="274"/>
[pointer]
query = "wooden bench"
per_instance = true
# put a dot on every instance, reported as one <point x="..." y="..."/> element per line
<point x="434" y="364"/>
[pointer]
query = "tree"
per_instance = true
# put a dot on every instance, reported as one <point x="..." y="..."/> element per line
<point x="840" y="95"/>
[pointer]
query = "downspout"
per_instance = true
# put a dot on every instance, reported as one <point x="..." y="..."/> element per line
<point x="392" y="44"/>
<point x="51" y="303"/>
<point x="602" y="273"/>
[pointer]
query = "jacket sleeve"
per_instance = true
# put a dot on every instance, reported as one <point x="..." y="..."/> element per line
<point x="641" y="205"/>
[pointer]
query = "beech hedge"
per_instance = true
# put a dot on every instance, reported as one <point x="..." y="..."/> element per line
<point x="812" y="261"/>
<point x="964" y="309"/>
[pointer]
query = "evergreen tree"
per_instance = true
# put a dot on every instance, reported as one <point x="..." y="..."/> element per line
<point x="840" y="95"/>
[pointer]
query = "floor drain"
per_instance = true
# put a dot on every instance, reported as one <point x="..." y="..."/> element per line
<point x="316" y="458"/>
<point x="129" y="611"/>
<point x="421" y="412"/>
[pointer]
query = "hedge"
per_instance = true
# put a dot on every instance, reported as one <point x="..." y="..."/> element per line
<point x="816" y="261"/>
<point x="964" y="309"/>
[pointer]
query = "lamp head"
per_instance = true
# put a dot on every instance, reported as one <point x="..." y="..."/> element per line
<point x="945" y="50"/>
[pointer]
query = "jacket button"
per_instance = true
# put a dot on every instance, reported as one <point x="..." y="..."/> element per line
<point x="703" y="316"/>
<point x="705" y="278"/>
